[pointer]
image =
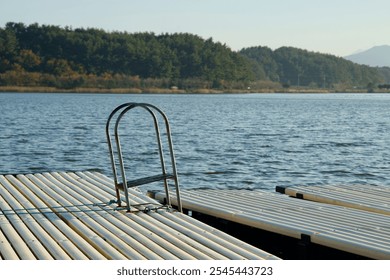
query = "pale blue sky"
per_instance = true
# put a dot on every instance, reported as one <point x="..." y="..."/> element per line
<point x="338" y="27"/>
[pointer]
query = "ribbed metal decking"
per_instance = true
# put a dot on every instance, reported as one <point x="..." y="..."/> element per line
<point x="64" y="216"/>
<point x="350" y="230"/>
<point x="365" y="197"/>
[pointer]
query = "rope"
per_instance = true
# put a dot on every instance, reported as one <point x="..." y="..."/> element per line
<point x="146" y="209"/>
<point x="47" y="210"/>
<point x="50" y="210"/>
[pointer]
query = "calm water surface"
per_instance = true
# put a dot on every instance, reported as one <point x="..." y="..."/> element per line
<point x="221" y="141"/>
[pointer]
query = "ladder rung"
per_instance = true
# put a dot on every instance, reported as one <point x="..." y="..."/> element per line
<point x="146" y="180"/>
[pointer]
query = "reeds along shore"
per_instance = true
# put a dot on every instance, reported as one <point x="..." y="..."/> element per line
<point x="22" y="89"/>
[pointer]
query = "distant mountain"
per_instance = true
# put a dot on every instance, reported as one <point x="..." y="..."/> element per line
<point x="376" y="56"/>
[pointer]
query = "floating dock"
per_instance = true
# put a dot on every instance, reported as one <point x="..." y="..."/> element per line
<point x="354" y="231"/>
<point x="364" y="197"/>
<point x="81" y="215"/>
<point x="71" y="215"/>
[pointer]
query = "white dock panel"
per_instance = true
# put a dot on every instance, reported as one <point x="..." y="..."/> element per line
<point x="365" y="197"/>
<point x="351" y="230"/>
<point x="62" y="215"/>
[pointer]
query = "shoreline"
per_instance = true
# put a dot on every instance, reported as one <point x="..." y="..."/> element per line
<point x="22" y="89"/>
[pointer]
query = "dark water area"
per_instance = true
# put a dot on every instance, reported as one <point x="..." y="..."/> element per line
<point x="254" y="141"/>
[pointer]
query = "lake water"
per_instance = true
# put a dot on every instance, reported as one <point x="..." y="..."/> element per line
<point x="221" y="141"/>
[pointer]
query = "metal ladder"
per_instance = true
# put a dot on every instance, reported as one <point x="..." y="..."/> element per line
<point x="119" y="112"/>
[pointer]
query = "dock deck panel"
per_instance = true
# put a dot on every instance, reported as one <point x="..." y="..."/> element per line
<point x="350" y="230"/>
<point x="71" y="215"/>
<point x="365" y="197"/>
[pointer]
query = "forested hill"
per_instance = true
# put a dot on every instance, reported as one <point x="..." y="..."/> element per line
<point x="292" y="66"/>
<point x="45" y="55"/>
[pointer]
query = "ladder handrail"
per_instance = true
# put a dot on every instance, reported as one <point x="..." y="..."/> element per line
<point x="111" y="150"/>
<point x="123" y="109"/>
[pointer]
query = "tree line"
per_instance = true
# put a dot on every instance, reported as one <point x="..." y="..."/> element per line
<point x="52" y="56"/>
<point x="297" y="67"/>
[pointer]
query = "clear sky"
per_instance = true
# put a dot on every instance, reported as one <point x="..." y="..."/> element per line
<point x="338" y="27"/>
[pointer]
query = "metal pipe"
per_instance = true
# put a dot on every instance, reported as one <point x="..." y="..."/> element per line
<point x="151" y="109"/>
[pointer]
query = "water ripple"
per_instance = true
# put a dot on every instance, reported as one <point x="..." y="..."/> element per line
<point x="253" y="141"/>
